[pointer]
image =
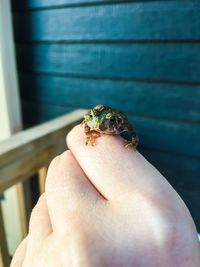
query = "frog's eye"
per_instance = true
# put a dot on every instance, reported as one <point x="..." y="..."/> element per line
<point x="108" y="116"/>
<point x="90" y="116"/>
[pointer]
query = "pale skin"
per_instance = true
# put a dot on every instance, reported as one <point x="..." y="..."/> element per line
<point x="107" y="206"/>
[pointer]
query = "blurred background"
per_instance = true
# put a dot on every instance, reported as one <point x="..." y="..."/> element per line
<point x="142" y="57"/>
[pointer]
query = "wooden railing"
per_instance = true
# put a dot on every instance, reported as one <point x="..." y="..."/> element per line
<point x="26" y="153"/>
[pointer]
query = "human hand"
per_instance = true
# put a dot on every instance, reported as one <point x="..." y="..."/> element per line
<point x="107" y="206"/>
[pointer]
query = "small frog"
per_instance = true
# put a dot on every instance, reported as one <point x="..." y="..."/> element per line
<point x="106" y="120"/>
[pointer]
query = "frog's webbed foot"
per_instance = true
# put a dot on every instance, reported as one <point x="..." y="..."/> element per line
<point x="133" y="142"/>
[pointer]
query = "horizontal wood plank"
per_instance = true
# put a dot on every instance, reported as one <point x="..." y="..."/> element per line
<point x="170" y="62"/>
<point x="43" y="4"/>
<point x="34" y="113"/>
<point x="183" y="175"/>
<point x="168" y="20"/>
<point x="170" y="101"/>
<point x="171" y="136"/>
<point x="27" y="151"/>
<point x="182" y="172"/>
<point x="166" y="135"/>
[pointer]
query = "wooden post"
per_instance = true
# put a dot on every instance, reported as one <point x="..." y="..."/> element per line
<point x="4" y="256"/>
<point x="22" y="209"/>
<point x="1" y="260"/>
<point x="42" y="178"/>
<point x="10" y="110"/>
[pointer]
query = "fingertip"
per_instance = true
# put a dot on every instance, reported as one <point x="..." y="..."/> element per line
<point x="76" y="136"/>
<point x="109" y="165"/>
<point x="104" y="162"/>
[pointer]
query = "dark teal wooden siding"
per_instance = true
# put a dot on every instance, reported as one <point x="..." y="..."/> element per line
<point x="142" y="57"/>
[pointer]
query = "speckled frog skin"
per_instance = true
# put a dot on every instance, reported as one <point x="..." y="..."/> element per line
<point x="106" y="120"/>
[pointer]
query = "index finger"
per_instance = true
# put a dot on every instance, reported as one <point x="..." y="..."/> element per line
<point x="112" y="168"/>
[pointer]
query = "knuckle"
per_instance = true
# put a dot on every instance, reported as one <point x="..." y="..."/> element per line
<point x="55" y="161"/>
<point x="65" y="156"/>
<point x="37" y="209"/>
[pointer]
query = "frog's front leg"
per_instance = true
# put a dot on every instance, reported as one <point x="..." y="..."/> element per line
<point x="87" y="133"/>
<point x="91" y="135"/>
<point x="133" y="142"/>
